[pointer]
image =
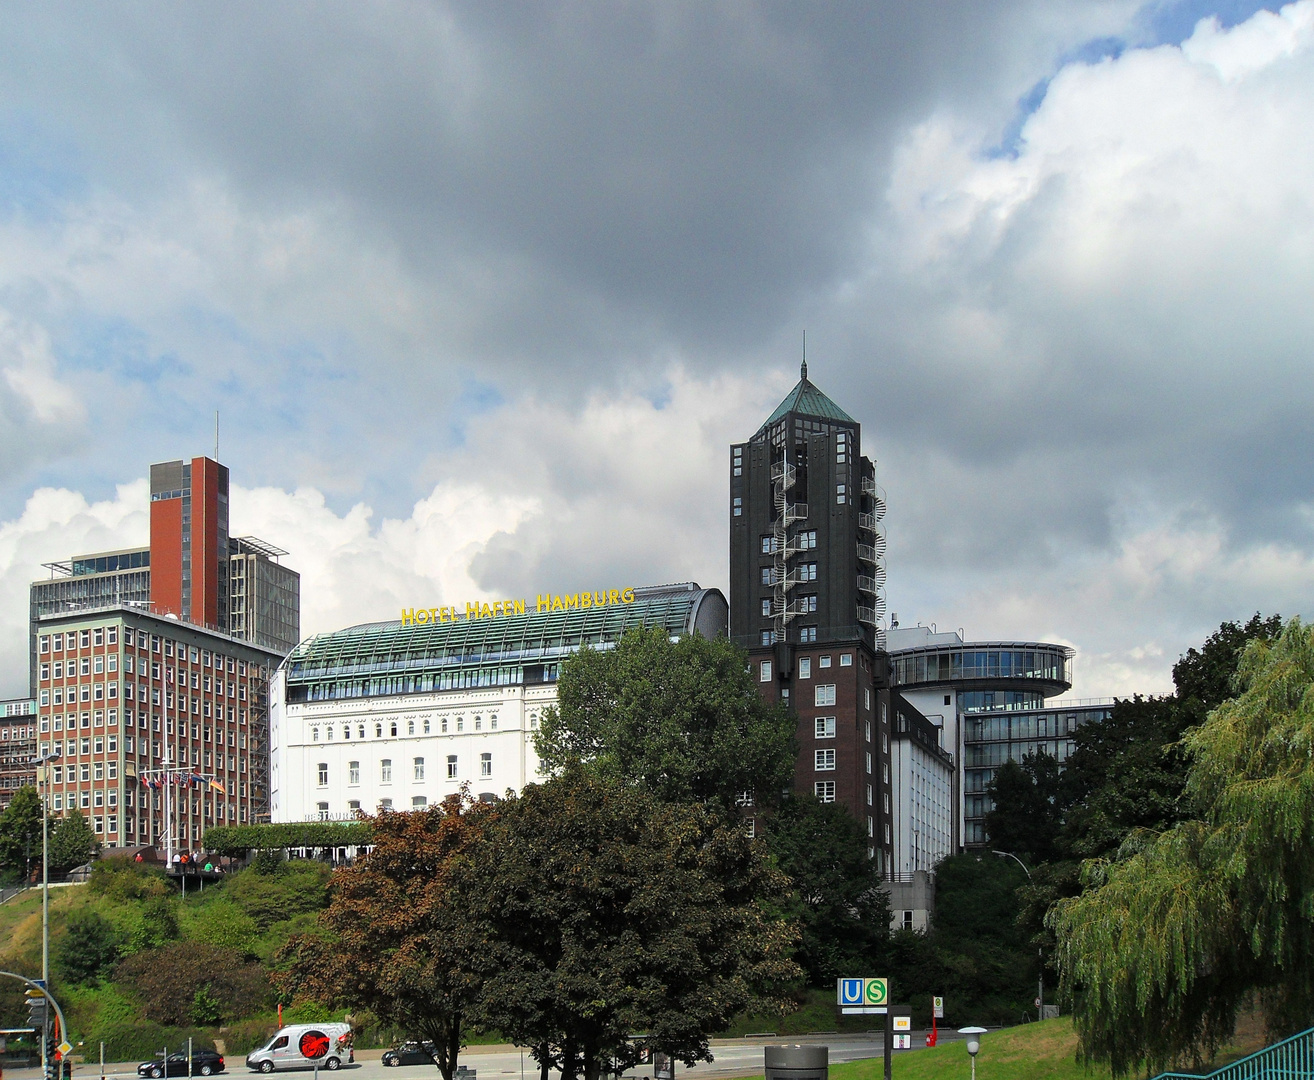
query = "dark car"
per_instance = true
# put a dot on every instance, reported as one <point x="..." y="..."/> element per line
<point x="411" y="1053"/>
<point x="204" y="1063"/>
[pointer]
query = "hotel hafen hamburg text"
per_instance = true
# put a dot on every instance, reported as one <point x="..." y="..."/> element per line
<point x="400" y="714"/>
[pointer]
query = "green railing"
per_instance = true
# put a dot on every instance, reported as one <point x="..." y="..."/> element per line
<point x="1291" y="1059"/>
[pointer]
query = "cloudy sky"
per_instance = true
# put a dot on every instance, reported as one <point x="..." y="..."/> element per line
<point x="482" y="292"/>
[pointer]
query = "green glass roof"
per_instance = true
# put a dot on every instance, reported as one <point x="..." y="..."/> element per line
<point x="807" y="400"/>
<point x="385" y="648"/>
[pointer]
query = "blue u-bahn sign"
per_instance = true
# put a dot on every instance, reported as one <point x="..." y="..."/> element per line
<point x="865" y="995"/>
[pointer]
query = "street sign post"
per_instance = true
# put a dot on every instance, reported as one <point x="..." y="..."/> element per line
<point x="856" y="997"/>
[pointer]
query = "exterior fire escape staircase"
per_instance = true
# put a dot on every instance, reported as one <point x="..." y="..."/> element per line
<point x="784" y="547"/>
<point x="871" y="560"/>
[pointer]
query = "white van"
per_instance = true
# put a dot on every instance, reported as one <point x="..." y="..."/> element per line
<point x="302" y="1045"/>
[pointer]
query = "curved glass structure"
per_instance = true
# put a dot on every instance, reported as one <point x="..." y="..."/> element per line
<point x="1043" y="668"/>
<point x="387" y="658"/>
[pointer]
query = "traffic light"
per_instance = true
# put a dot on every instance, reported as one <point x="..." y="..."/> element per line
<point x="38" y="1009"/>
<point x="52" y="1066"/>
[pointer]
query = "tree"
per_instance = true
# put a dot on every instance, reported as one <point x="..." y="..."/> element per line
<point x="87" y="949"/>
<point x="400" y="944"/>
<point x="1025" y="818"/>
<point x="606" y="911"/>
<point x="72" y="843"/>
<point x="1129" y="772"/>
<point x="1182" y="926"/>
<point x="684" y="718"/>
<point x="20" y="834"/>
<point x="843" y="913"/>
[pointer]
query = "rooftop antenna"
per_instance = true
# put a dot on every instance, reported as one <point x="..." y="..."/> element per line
<point x="803" y="370"/>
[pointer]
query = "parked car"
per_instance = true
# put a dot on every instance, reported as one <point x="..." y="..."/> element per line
<point x="300" y="1046"/>
<point x="204" y="1063"/>
<point x="412" y="1052"/>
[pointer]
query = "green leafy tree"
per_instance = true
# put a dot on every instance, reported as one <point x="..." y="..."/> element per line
<point x="604" y="911"/>
<point x="836" y="895"/>
<point x="397" y="941"/>
<point x="684" y="718"/>
<point x="20" y="834"/>
<point x="1026" y="815"/>
<point x="72" y="843"/>
<point x="1182" y="926"/>
<point x="87" y="949"/>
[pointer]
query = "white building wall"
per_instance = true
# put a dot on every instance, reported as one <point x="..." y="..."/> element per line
<point x="466" y="724"/>
<point x="924" y="807"/>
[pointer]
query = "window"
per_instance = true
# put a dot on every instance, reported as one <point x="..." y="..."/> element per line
<point x="410" y="727"/>
<point x="744" y="798"/>
<point x="824" y="694"/>
<point x="479" y="723"/>
<point x="807" y="571"/>
<point x="808" y="604"/>
<point x="426" y="725"/>
<point x="353" y="805"/>
<point x="485" y="764"/>
<point x="353" y="772"/>
<point x="419" y="768"/>
<point x="418" y="802"/>
<point x="841" y="495"/>
<point x="113" y="638"/>
<point x="378" y="731"/>
<point x="807" y="541"/>
<point x="805" y="667"/>
<point x="766" y="608"/>
<point x="867" y="724"/>
<point x="869" y="793"/>
<point x="314" y="734"/>
<point x="393" y="729"/>
<point x="825" y="727"/>
<point x="846" y="659"/>
<point x="768" y="545"/>
<point x="868" y="762"/>
<point x="946" y="699"/>
<point x="866" y="699"/>
<point x="737" y="461"/>
<point x="764" y="674"/>
<point x="768" y="576"/>
<point x="737" y="506"/>
<point x="322" y="809"/>
<point x="824" y="661"/>
<point x="824" y="790"/>
<point x="451" y="766"/>
<point x="492" y="722"/>
<point x="45" y="644"/>
<point x="825" y="760"/>
<point x="460" y="723"/>
<point x="384" y="804"/>
<point x="385" y="771"/>
<point x="750" y="828"/>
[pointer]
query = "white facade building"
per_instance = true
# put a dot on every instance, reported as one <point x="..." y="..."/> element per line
<point x="400" y="714"/>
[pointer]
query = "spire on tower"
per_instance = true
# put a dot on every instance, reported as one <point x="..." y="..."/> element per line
<point x="803" y="368"/>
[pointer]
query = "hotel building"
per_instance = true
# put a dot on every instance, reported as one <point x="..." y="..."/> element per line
<point x="401" y="714"/>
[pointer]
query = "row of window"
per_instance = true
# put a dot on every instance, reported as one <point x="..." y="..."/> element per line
<point x="16" y="733"/>
<point x="417" y="769"/>
<point x="803" y="541"/>
<point x="824" y="761"/>
<point x="55" y="643"/>
<point x="425" y="728"/>
<point x="802" y="572"/>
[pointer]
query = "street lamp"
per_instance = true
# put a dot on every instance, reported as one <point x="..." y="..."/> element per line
<point x="43" y="760"/>
<point x="1040" y="951"/>
<point x="973" y="1043"/>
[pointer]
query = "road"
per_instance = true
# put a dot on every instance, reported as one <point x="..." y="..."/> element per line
<point x="733" y="1057"/>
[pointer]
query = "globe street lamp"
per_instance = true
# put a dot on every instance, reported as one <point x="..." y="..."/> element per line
<point x="973" y="1043"/>
<point x="1040" y="951"/>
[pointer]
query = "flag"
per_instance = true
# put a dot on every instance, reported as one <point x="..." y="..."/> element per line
<point x="218" y="787"/>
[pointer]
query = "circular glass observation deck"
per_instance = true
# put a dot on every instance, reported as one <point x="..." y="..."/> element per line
<point x="986" y="665"/>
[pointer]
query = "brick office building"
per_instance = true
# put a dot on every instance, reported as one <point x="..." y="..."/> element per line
<point x="806" y="599"/>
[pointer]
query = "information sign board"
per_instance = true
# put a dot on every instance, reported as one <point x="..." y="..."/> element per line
<point x="938" y="1007"/>
<point x="869" y="995"/>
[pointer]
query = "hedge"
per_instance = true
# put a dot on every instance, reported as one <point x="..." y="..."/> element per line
<point x="239" y="840"/>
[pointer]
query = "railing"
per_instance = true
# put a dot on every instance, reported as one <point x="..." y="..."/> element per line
<point x="868" y="522"/>
<point x="8" y="894"/>
<point x="867" y="585"/>
<point x="1287" y="1060"/>
<point x="790" y="512"/>
<point x="867" y="616"/>
<point x="866" y="553"/>
<point x="784" y="474"/>
<point x="869" y="486"/>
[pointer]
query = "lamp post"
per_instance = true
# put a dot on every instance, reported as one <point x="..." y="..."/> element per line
<point x="43" y="761"/>
<point x="973" y="1043"/>
<point x="1040" y="951"/>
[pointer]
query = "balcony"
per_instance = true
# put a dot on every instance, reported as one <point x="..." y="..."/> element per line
<point x="867" y="554"/>
<point x="868" y="616"/>
<point x="869" y="521"/>
<point x="869" y="486"/>
<point x="867" y="585"/>
<point x="791" y="512"/>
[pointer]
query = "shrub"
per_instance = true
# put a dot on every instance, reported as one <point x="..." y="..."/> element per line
<point x="167" y="981"/>
<point x="88" y="947"/>
<point x="120" y="878"/>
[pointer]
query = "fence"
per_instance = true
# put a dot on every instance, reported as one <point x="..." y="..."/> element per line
<point x="1288" y="1060"/>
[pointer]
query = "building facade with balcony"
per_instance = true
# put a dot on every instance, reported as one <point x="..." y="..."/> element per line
<point x="18" y="745"/>
<point x="807" y="600"/>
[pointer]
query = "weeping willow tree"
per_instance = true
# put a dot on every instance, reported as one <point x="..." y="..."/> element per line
<point x="1173" y="935"/>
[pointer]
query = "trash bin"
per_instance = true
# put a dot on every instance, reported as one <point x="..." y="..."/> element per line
<point x="796" y="1062"/>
